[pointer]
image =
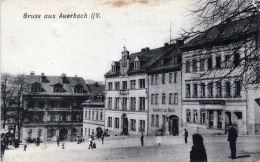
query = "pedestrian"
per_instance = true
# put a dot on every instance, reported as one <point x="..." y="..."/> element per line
<point x="3" y="147"/>
<point x="38" y="141"/>
<point x="94" y="145"/>
<point x="198" y="152"/>
<point x="90" y="142"/>
<point x="186" y="134"/>
<point x="232" y="138"/>
<point x="102" y="138"/>
<point x="24" y="147"/>
<point x="142" y="139"/>
<point x="58" y="141"/>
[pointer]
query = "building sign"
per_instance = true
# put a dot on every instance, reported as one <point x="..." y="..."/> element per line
<point x="163" y="110"/>
<point x="212" y="102"/>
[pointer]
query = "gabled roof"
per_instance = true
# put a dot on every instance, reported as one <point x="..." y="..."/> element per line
<point x="147" y="58"/>
<point x="224" y="33"/>
<point x="96" y="89"/>
<point x="47" y="86"/>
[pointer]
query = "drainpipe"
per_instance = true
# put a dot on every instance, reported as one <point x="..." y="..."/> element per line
<point x="147" y="95"/>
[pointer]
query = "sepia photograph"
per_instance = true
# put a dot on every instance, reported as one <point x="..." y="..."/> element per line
<point x="130" y="80"/>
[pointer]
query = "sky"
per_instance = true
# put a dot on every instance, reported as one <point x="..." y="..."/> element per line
<point x="83" y="46"/>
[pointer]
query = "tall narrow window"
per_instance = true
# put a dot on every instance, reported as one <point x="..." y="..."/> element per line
<point x="109" y="106"/>
<point x="175" y="98"/>
<point x="209" y="63"/>
<point x="117" y="103"/>
<point x="124" y="85"/>
<point x="203" y="117"/>
<point x="142" y="126"/>
<point x="152" y="120"/>
<point x="132" y="84"/>
<point x="237" y="88"/>
<point x="194" y="65"/>
<point x="202" y="85"/>
<point x="109" y="122"/>
<point x="116" y="122"/>
<point x="188" y="116"/>
<point x="195" y="90"/>
<point x="163" y="78"/>
<point x="156" y="79"/>
<point x="187" y="90"/>
<point x="219" y="92"/>
<point x="227" y="62"/>
<point x="236" y="60"/>
<point x="163" y="98"/>
<point x="142" y="103"/>
<point x="187" y="66"/>
<point x="124" y="103"/>
<point x="195" y="116"/>
<point x="136" y="64"/>
<point x="141" y="83"/>
<point x="175" y="77"/>
<point x="101" y="115"/>
<point x="218" y="62"/>
<point x="152" y="79"/>
<point x="109" y="85"/>
<point x="228" y="89"/>
<point x="152" y="98"/>
<point x="157" y="121"/>
<point x="202" y="65"/>
<point x="210" y="89"/>
<point x="132" y="103"/>
<point x="133" y="125"/>
<point x="170" y="98"/>
<point x="170" y="77"/>
<point x="156" y="98"/>
<point x="117" y="86"/>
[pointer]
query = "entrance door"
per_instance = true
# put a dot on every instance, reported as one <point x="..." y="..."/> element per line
<point x="99" y="132"/>
<point x="63" y="134"/>
<point x="124" y="125"/>
<point x="174" y="125"/>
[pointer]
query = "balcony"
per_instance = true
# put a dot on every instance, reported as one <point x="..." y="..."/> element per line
<point x="124" y="92"/>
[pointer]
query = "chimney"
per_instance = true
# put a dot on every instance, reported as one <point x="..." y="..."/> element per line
<point x="43" y="77"/>
<point x="147" y="49"/>
<point x="179" y="42"/>
<point x="166" y="44"/>
<point x="32" y="73"/>
<point x="63" y="75"/>
<point x="96" y="84"/>
<point x="42" y="74"/>
<point x="143" y="49"/>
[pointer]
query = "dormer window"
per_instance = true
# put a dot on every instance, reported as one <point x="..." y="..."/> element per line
<point x="137" y="64"/>
<point x="58" y="88"/>
<point x="36" y="87"/>
<point x="78" y="89"/>
<point x="113" y="68"/>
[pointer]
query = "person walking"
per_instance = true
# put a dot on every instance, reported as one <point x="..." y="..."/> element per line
<point x="232" y="138"/>
<point x="102" y="138"/>
<point x="58" y="141"/>
<point x="198" y="152"/>
<point x="24" y="147"/>
<point x="90" y="142"/>
<point x="186" y="134"/>
<point x="38" y="141"/>
<point x="142" y="139"/>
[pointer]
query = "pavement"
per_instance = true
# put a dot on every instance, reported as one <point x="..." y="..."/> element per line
<point x="120" y="148"/>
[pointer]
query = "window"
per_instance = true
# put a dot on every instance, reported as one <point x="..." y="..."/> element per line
<point x="188" y="116"/>
<point x="163" y="78"/>
<point x="152" y="120"/>
<point x="219" y="92"/>
<point x="93" y="115"/>
<point x="195" y="116"/>
<point x="97" y="115"/>
<point x="142" y="83"/>
<point x="152" y="79"/>
<point x="187" y="90"/>
<point x="133" y="125"/>
<point x="117" y="85"/>
<point x="203" y="117"/>
<point x="88" y="131"/>
<point x="101" y="115"/>
<point x="187" y="66"/>
<point x="142" y="126"/>
<point x="36" y="87"/>
<point x="194" y="65"/>
<point x="110" y="86"/>
<point x="237" y="88"/>
<point x="156" y="98"/>
<point x="202" y="86"/>
<point x="162" y="62"/>
<point x="136" y="65"/>
<point x="132" y="84"/>
<point x="152" y="98"/>
<point x="170" y="77"/>
<point x="170" y="98"/>
<point x="175" y="77"/>
<point x="227" y="62"/>
<point x="78" y="89"/>
<point x="209" y="63"/>
<point x="163" y="120"/>
<point x="142" y="103"/>
<point x="109" y="122"/>
<point x="163" y="98"/>
<point x="132" y="103"/>
<point x="202" y="65"/>
<point x="124" y="85"/>
<point x="157" y="121"/>
<point x="117" y="103"/>
<point x="58" y="89"/>
<point x="86" y="114"/>
<point x="236" y="60"/>
<point x="228" y="89"/>
<point x="210" y="89"/>
<point x="116" y="122"/>
<point x="175" y="98"/>
<point x="89" y="114"/>
<point x="113" y="68"/>
<point x="124" y="103"/>
<point x="195" y="90"/>
<point x="218" y="62"/>
<point x="156" y="79"/>
<point x="109" y="106"/>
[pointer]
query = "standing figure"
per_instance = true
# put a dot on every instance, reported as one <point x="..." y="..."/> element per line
<point x="38" y="141"/>
<point x="24" y="147"/>
<point x="90" y="142"/>
<point x="232" y="138"/>
<point x="198" y="152"/>
<point x="142" y="139"/>
<point x="186" y="134"/>
<point x="102" y="138"/>
<point x="58" y="141"/>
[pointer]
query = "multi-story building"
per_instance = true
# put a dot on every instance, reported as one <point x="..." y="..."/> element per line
<point x="93" y="110"/>
<point x="127" y="92"/>
<point x="165" y="93"/>
<point x="54" y="107"/>
<point x="214" y="91"/>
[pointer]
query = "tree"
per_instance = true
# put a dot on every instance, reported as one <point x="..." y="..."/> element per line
<point x="7" y="94"/>
<point x="221" y="23"/>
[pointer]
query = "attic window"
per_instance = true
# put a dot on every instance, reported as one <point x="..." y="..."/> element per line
<point x="78" y="89"/>
<point x="136" y="64"/>
<point x="113" y="68"/>
<point x="36" y="87"/>
<point x="58" y="89"/>
<point x="162" y="62"/>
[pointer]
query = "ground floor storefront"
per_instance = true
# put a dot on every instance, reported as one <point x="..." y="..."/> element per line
<point x="92" y="128"/>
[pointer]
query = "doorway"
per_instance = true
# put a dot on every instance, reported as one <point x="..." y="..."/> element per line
<point x="124" y="125"/>
<point x="174" y="125"/>
<point x="63" y="134"/>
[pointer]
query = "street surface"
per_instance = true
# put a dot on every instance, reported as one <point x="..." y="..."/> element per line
<point x="121" y="149"/>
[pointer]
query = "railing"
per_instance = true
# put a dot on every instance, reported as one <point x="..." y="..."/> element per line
<point x="124" y="92"/>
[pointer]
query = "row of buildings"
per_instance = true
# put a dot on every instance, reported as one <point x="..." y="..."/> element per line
<point x="163" y="90"/>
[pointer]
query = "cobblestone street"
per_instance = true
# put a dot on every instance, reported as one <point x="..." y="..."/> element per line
<point x="129" y="149"/>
